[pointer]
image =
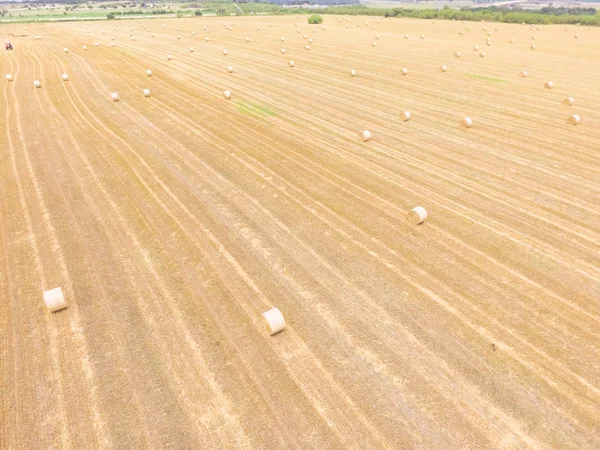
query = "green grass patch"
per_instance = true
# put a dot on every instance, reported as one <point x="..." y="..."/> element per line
<point x="484" y="78"/>
<point x="253" y="109"/>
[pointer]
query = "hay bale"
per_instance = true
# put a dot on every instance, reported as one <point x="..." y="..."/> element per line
<point x="95" y="44"/>
<point x="460" y="32"/>
<point x="512" y="40"/>
<point x="533" y="37"/>
<point x="466" y="122"/>
<point x="476" y="47"/>
<point x="206" y="39"/>
<point x="482" y="55"/>
<point x="54" y="299"/>
<point x="225" y="52"/>
<point x="569" y="101"/>
<point x="146" y="92"/>
<point x="405" y="116"/>
<point x="417" y="215"/>
<point x="422" y="36"/>
<point x="193" y="33"/>
<point x="178" y="37"/>
<point x="549" y="85"/>
<point x="112" y="44"/>
<point x="374" y="44"/>
<point x="310" y="41"/>
<point x="443" y="68"/>
<point x="273" y="321"/>
<point x="532" y="47"/>
<point x="282" y="39"/>
<point x="151" y="34"/>
<point x="115" y="97"/>
<point x="230" y="69"/>
<point x="247" y="39"/>
<point x="149" y="72"/>
<point x="66" y="50"/>
<point x="574" y="119"/>
<point x="227" y="95"/>
<point x="37" y="83"/>
<point x="291" y="63"/>
<point x="65" y="77"/>
<point x="404" y="71"/>
<point x="365" y="136"/>
<point x="524" y="73"/>
<point x="576" y="36"/>
<point x="352" y="73"/>
<point x="406" y="36"/>
<point x="9" y="77"/>
<point x="169" y="57"/>
<point x="307" y="47"/>
<point x="457" y="54"/>
<point x="283" y="51"/>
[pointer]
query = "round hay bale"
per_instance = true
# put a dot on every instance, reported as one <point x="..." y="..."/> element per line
<point x="405" y="116"/>
<point x="230" y="69"/>
<point x="417" y="215"/>
<point x="65" y="77"/>
<point x="549" y="85"/>
<point x="282" y="39"/>
<point x="291" y="63"/>
<point x="352" y="73"/>
<point x="206" y="39"/>
<point x="457" y="54"/>
<point x="37" y="83"/>
<point x="114" y="96"/>
<point x="283" y="51"/>
<point x="466" y="122"/>
<point x="524" y="73"/>
<point x="304" y="36"/>
<point x="512" y="40"/>
<point x="258" y="28"/>
<point x="310" y="41"/>
<point x="374" y="44"/>
<point x="489" y="43"/>
<point x="476" y="47"/>
<point x="533" y="37"/>
<point x="443" y="68"/>
<point x="193" y="33"/>
<point x="422" y="36"/>
<point x="532" y="47"/>
<point x="574" y="119"/>
<point x="404" y="71"/>
<point x="149" y="72"/>
<point x="365" y="136"/>
<point x="169" y="57"/>
<point x="406" y="36"/>
<point x="178" y="37"/>
<point x="569" y="101"/>
<point x="95" y="44"/>
<point x="227" y="95"/>
<point x="273" y="321"/>
<point x="112" y="44"/>
<point x="247" y="39"/>
<point x="146" y="92"/>
<point x="346" y="25"/>
<point x="54" y="299"/>
<point x="489" y="33"/>
<point x="307" y="47"/>
<point x="9" y="77"/>
<point x="66" y="50"/>
<point x="192" y="49"/>
<point x="225" y="52"/>
<point x="133" y="38"/>
<point x="151" y="34"/>
<point x="482" y="55"/>
<point x="298" y="30"/>
<point x="377" y="36"/>
<point x="112" y="38"/>
<point x="577" y="36"/>
<point x="460" y="32"/>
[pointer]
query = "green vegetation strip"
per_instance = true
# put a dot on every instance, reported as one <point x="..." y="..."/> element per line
<point x="253" y="109"/>
<point x="481" y="77"/>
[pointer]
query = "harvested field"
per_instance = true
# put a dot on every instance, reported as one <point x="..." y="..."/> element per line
<point x="173" y="221"/>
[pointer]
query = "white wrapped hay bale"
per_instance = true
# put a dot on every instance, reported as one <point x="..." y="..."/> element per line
<point x="37" y="83"/>
<point x="405" y="116"/>
<point x="169" y="57"/>
<point x="149" y="72"/>
<point x="65" y="77"/>
<point x="283" y="51"/>
<point x="310" y="41"/>
<point x="112" y="44"/>
<point x="569" y="101"/>
<point x="549" y="85"/>
<point x="353" y="73"/>
<point x="207" y="39"/>
<point x="282" y="39"/>
<point x="532" y="47"/>
<point x="482" y="55"/>
<point x="524" y="73"/>
<point x="227" y="95"/>
<point x="66" y="50"/>
<point x="512" y="40"/>
<point x="406" y="36"/>
<point x="457" y="54"/>
<point x="291" y="63"/>
<point x="422" y="36"/>
<point x="114" y="97"/>
<point x="95" y="44"/>
<point x="374" y="44"/>
<point x="443" y="68"/>
<point x="417" y="215"/>
<point x="247" y="39"/>
<point x="191" y="49"/>
<point x="404" y="71"/>
<point x="574" y="119"/>
<point x="225" y="52"/>
<point x="307" y="47"/>
<point x="273" y="321"/>
<point x="230" y="69"/>
<point x="178" y="37"/>
<point x="460" y="32"/>
<point x="54" y="299"/>
<point x="377" y="36"/>
<point x="365" y="136"/>
<point x="466" y="122"/>
<point x="576" y="36"/>
<point x="476" y="47"/>
<point x="146" y="92"/>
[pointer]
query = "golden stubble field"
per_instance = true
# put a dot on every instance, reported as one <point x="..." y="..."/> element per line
<point x="173" y="221"/>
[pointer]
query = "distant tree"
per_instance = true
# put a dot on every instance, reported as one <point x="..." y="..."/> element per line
<point x="197" y="12"/>
<point x="315" y="19"/>
<point x="110" y="16"/>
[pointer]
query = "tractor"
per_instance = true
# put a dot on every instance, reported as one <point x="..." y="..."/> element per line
<point x="8" y="45"/>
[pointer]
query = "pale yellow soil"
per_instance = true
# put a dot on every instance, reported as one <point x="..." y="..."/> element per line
<point x="172" y="222"/>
